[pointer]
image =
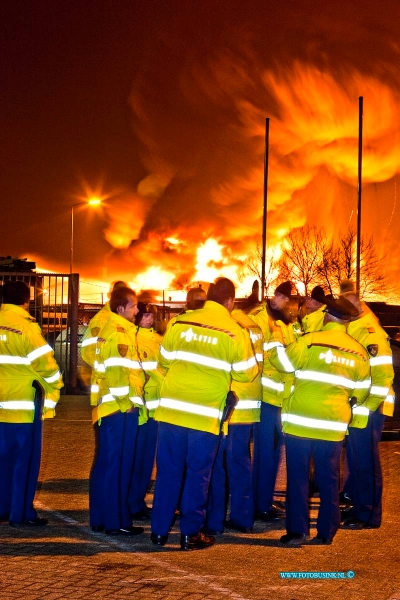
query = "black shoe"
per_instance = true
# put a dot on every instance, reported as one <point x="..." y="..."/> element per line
<point x="355" y="524"/>
<point x="125" y="531"/>
<point x="36" y="522"/>
<point x="97" y="528"/>
<point x="142" y="515"/>
<point x="294" y="539"/>
<point x="275" y="513"/>
<point x="236" y="527"/>
<point x="197" y="542"/>
<point x="320" y="541"/>
<point x="346" y="513"/>
<point x="159" y="540"/>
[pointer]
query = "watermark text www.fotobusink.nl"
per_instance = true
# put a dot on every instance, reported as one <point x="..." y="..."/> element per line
<point x="317" y="574"/>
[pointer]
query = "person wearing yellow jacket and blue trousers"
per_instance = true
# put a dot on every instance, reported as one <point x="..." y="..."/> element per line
<point x="30" y="383"/>
<point x="116" y="417"/>
<point x="331" y="373"/>
<point x="232" y="472"/>
<point x="201" y="353"/>
<point x="365" y="483"/>
<point x="89" y="341"/>
<point x="275" y="325"/>
<point x="148" y="343"/>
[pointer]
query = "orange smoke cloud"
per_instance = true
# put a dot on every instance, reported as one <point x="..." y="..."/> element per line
<point x="205" y="162"/>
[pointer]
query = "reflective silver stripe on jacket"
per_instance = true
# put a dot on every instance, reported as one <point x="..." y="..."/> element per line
<point x="39" y="352"/>
<point x="120" y="391"/>
<point x="149" y="365"/>
<point x="118" y="361"/>
<point x="18" y="405"/>
<point x="333" y="379"/>
<point x="244" y="364"/>
<point x="110" y="398"/>
<point x="193" y="409"/>
<point x="99" y="367"/>
<point x="89" y="342"/>
<point x="152" y="404"/>
<point x="248" y="404"/>
<point x="360" y="410"/>
<point x="380" y="360"/>
<point x="6" y="359"/>
<point x="49" y="403"/>
<point x="270" y="345"/>
<point x="313" y="423"/>
<point x="52" y="378"/>
<point x="287" y="365"/>
<point x="198" y="359"/>
<point x="274" y="385"/>
<point x="94" y="388"/>
<point x="379" y="390"/>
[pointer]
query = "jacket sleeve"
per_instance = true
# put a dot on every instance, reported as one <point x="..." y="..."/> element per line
<point x="382" y="374"/>
<point x="360" y="411"/>
<point x="244" y="365"/>
<point x="42" y="361"/>
<point x="123" y="374"/>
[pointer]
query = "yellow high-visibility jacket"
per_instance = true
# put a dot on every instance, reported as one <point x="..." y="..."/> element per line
<point x="314" y="321"/>
<point x="148" y="344"/>
<point x="330" y="368"/>
<point x="275" y="385"/>
<point x="89" y="344"/>
<point x="367" y="331"/>
<point x="201" y="353"/>
<point x="25" y="357"/>
<point x="118" y="371"/>
<point x="248" y="408"/>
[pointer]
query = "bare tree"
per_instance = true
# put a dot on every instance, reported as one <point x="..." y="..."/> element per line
<point x="302" y="256"/>
<point x="253" y="266"/>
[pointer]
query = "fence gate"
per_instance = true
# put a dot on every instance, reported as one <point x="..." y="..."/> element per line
<point x="54" y="304"/>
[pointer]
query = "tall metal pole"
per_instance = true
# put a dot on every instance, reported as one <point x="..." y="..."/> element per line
<point x="264" y="233"/>
<point x="71" y="259"/>
<point x="360" y="132"/>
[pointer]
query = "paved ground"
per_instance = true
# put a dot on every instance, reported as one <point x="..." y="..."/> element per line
<point x="66" y="560"/>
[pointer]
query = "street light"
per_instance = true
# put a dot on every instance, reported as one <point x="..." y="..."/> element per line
<point x="91" y="202"/>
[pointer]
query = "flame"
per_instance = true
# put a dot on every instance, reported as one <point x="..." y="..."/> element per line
<point x="198" y="212"/>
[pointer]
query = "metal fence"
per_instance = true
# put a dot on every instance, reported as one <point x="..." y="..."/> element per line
<point x="54" y="304"/>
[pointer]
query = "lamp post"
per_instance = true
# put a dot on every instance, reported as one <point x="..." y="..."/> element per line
<point x="90" y="202"/>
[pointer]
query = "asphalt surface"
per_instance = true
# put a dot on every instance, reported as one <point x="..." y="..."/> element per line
<point x="66" y="560"/>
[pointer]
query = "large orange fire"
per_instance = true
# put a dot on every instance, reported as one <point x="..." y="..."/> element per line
<point x="198" y="213"/>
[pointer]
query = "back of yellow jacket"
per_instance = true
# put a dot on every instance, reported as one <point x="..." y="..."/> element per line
<point x="201" y="353"/>
<point x="25" y="357"/>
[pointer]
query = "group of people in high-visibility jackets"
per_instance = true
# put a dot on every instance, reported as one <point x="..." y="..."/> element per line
<point x="213" y="402"/>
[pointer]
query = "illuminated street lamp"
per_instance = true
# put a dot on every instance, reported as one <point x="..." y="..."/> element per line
<point x="91" y="202"/>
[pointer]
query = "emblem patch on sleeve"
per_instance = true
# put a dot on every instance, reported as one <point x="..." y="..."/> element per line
<point x="373" y="349"/>
<point x="123" y="350"/>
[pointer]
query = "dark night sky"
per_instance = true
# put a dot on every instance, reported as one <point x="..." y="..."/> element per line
<point x="99" y="95"/>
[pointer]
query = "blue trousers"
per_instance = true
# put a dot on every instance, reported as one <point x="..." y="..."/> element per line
<point x="20" y="454"/>
<point x="268" y="441"/>
<point x="326" y="455"/>
<point x="146" y="443"/>
<point x="365" y="472"/>
<point x="111" y="473"/>
<point x="232" y="473"/>
<point x="185" y="458"/>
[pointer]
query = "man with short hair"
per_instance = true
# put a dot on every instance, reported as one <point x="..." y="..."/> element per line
<point x="365" y="483"/>
<point x="312" y="318"/>
<point x="195" y="298"/>
<point x="148" y="343"/>
<point x="330" y="370"/>
<point x="275" y="323"/>
<point x="30" y="383"/>
<point x="200" y="353"/>
<point x="89" y="340"/>
<point x="116" y="417"/>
